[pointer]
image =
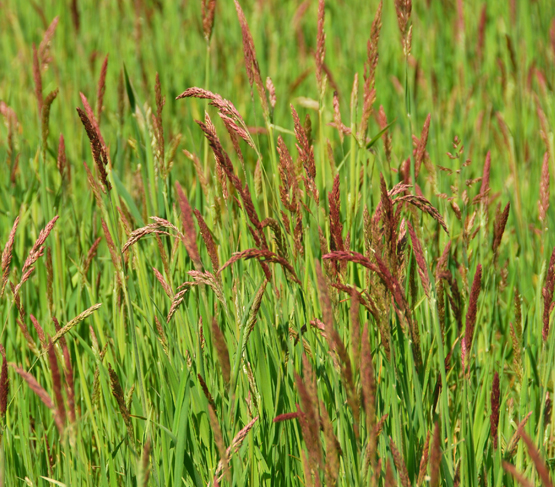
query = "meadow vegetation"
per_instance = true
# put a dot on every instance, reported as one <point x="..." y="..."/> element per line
<point x="277" y="243"/>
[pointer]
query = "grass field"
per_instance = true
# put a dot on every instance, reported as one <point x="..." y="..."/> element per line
<point x="240" y="249"/>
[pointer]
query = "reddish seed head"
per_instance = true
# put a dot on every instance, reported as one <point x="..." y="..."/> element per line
<point x="435" y="459"/>
<point x="101" y="89"/>
<point x="4" y="383"/>
<point x="189" y="231"/>
<point x="208" y="14"/>
<point x="547" y="294"/>
<point x="471" y="314"/>
<point x="543" y="202"/>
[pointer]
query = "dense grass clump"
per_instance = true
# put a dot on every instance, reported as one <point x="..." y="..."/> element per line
<point x="277" y="243"/>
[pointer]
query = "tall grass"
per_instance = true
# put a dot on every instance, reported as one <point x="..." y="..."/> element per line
<point x="277" y="243"/>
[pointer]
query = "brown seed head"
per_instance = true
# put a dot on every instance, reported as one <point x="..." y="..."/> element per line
<point x="4" y="384"/>
<point x="543" y="202"/>
<point x="46" y="116"/>
<point x="271" y="91"/>
<point x="421" y="147"/>
<point x="99" y="154"/>
<point x="499" y="227"/>
<point x="547" y="294"/>
<point x="336" y="227"/>
<point x="119" y="396"/>
<point x="435" y="459"/>
<point x="38" y="79"/>
<point x="44" y="46"/>
<point x="520" y="478"/>
<point x="400" y="464"/>
<point x="38" y="249"/>
<point x="41" y="393"/>
<point x="101" y="89"/>
<point x="471" y="315"/>
<point x="57" y="381"/>
<point x="541" y="467"/>
<point x="320" y="49"/>
<point x="403" y="9"/>
<point x="420" y="259"/>
<point x="208" y="14"/>
<point x="189" y="231"/>
<point x="221" y="349"/>
<point x="251" y="63"/>
<point x="7" y="257"/>
<point x="424" y="460"/>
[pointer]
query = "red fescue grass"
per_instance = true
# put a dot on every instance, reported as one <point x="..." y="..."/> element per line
<point x="547" y="294"/>
<point x="7" y="256"/>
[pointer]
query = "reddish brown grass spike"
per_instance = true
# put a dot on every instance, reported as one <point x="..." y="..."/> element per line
<point x="286" y="417"/>
<point x="400" y="464"/>
<point x="264" y="255"/>
<point x="61" y="162"/>
<point x="40" y="392"/>
<point x="101" y="89"/>
<point x="368" y="391"/>
<point x="7" y="257"/>
<point x="421" y="149"/>
<point x="521" y="479"/>
<point x="309" y="421"/>
<point x="4" y="384"/>
<point x="221" y="349"/>
<point x="541" y="467"/>
<point x="75" y="18"/>
<point x="543" y="202"/>
<point x="38" y="79"/>
<point x="336" y="227"/>
<point x="251" y="63"/>
<point x="45" y="42"/>
<point x="547" y="294"/>
<point x="325" y="303"/>
<point x="471" y="315"/>
<point x="424" y="460"/>
<point x="420" y="260"/>
<point x="389" y="478"/>
<point x="57" y="381"/>
<point x="208" y="241"/>
<point x="38" y="250"/>
<point x="320" y="48"/>
<point x="208" y="14"/>
<point x="98" y="153"/>
<point x="189" y="231"/>
<point x="485" y="176"/>
<point x="69" y="384"/>
<point x="435" y="460"/>
<point x="117" y="392"/>
<point x="370" y="66"/>
<point x="499" y="227"/>
<point x="38" y="328"/>
<point x="481" y="33"/>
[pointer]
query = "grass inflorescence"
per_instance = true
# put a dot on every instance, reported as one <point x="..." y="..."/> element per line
<point x="277" y="243"/>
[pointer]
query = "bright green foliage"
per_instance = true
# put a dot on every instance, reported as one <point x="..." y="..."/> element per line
<point x="157" y="401"/>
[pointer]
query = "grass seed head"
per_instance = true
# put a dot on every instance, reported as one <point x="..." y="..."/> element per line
<point x="435" y="459"/>
<point x="4" y="384"/>
<point x="543" y="202"/>
<point x="471" y="317"/>
<point x="7" y="257"/>
<point x="101" y="89"/>
<point x="547" y="294"/>
<point x="221" y="350"/>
